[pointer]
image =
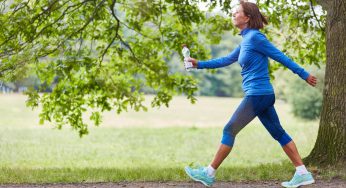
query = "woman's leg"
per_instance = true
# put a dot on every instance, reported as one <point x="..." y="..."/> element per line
<point x="292" y="152"/>
<point x="221" y="154"/>
<point x="244" y="114"/>
<point x="271" y="122"/>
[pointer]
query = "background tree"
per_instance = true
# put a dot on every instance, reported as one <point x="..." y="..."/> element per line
<point x="102" y="52"/>
<point x="330" y="147"/>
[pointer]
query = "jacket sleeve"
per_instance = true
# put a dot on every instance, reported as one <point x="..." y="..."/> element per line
<point x="264" y="46"/>
<point x="220" y="62"/>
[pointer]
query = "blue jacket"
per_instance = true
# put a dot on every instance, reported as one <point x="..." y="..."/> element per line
<point x="252" y="55"/>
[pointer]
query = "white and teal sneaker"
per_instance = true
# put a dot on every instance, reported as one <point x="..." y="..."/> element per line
<point x="299" y="180"/>
<point x="200" y="174"/>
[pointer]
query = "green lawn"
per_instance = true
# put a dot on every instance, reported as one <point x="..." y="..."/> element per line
<point x="152" y="146"/>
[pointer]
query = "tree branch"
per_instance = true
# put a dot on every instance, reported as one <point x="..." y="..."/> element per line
<point x="117" y="34"/>
<point x="80" y="43"/>
<point x="76" y="32"/>
<point x="161" y="21"/>
<point x="3" y="6"/>
<point x="61" y="16"/>
<point x="47" y="26"/>
<point x="46" y="10"/>
<point x="108" y="46"/>
<point x="118" y="20"/>
<point x="313" y="11"/>
<point x="11" y="67"/>
<point x="146" y="36"/>
<point x="17" y="8"/>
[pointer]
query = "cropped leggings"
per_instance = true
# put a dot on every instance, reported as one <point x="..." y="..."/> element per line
<point x="252" y="106"/>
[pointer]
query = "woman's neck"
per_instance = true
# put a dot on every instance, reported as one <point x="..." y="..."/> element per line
<point x="242" y="27"/>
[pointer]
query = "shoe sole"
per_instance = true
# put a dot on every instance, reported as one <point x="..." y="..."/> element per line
<point x="300" y="184"/>
<point x="196" y="179"/>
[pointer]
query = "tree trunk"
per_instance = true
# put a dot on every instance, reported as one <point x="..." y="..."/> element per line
<point x="330" y="146"/>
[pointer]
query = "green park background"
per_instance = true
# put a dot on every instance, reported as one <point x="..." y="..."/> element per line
<point x="155" y="145"/>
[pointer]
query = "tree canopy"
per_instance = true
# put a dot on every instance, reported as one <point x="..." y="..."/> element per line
<point x="98" y="54"/>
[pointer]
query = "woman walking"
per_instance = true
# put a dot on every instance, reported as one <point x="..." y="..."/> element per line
<point x="252" y="55"/>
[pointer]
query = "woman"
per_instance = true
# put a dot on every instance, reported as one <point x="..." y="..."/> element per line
<point x="252" y="55"/>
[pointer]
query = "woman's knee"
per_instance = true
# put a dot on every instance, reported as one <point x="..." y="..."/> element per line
<point x="230" y="129"/>
<point x="228" y="135"/>
<point x="228" y="139"/>
<point x="284" y="139"/>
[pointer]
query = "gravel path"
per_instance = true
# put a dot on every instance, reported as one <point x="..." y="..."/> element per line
<point x="336" y="183"/>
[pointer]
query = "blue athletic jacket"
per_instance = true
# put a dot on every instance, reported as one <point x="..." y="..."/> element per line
<point x="252" y="55"/>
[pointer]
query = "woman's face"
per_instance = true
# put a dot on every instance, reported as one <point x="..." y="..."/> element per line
<point x="240" y="20"/>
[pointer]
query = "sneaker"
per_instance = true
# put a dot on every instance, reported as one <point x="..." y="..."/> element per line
<point x="299" y="180"/>
<point x="200" y="174"/>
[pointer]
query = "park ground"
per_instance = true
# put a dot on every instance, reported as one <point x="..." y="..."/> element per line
<point x="149" y="149"/>
<point x="244" y="184"/>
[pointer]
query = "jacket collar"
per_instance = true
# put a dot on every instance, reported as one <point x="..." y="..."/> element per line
<point x="244" y="31"/>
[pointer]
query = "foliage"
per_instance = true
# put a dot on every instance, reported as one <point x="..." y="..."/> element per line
<point x="307" y="102"/>
<point x="222" y="82"/>
<point x="102" y="52"/>
<point x="302" y="24"/>
<point x="98" y="50"/>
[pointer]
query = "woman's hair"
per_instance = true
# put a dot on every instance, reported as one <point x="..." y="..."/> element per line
<point x="257" y="20"/>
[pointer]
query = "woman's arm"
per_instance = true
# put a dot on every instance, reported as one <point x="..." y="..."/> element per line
<point x="263" y="45"/>
<point x="217" y="63"/>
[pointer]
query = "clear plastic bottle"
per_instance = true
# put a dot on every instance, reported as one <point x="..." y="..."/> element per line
<point x="186" y="53"/>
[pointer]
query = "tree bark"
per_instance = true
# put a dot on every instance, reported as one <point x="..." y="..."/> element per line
<point x="330" y="146"/>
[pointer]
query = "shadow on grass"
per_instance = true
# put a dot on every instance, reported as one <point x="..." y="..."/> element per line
<point x="278" y="171"/>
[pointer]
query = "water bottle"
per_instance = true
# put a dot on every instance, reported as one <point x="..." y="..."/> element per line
<point x="186" y="53"/>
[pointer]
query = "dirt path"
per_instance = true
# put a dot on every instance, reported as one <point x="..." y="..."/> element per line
<point x="319" y="183"/>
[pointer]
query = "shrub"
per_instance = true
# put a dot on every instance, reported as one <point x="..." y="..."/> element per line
<point x="306" y="101"/>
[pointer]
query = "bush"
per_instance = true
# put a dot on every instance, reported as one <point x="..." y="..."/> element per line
<point x="306" y="101"/>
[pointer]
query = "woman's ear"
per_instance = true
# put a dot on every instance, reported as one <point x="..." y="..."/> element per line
<point x="247" y="19"/>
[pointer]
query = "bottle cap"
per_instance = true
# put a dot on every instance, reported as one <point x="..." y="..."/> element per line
<point x="184" y="45"/>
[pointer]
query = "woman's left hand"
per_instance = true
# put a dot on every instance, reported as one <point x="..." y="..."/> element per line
<point x="312" y="80"/>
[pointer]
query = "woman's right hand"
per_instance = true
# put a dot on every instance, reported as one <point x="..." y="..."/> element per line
<point x="193" y="61"/>
<point x="312" y="80"/>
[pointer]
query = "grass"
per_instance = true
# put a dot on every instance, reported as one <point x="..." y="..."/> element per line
<point x="152" y="146"/>
<point x="58" y="175"/>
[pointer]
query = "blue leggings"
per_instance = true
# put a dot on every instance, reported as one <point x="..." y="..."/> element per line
<point x="252" y="106"/>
